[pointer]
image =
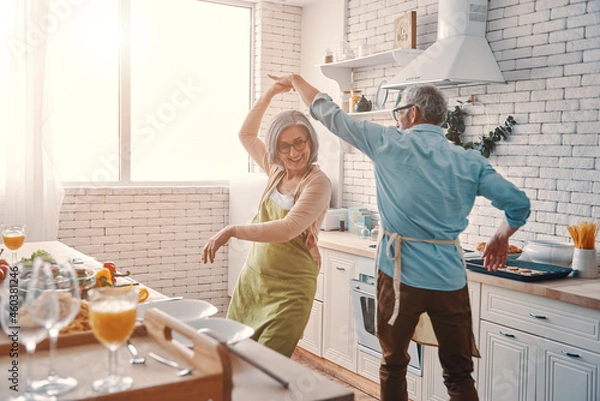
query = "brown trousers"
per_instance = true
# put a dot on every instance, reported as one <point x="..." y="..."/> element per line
<point x="450" y="314"/>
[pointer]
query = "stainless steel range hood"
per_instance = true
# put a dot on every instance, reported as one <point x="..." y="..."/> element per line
<point x="460" y="56"/>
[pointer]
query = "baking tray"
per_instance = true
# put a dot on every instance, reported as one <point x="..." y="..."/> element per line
<point x="539" y="271"/>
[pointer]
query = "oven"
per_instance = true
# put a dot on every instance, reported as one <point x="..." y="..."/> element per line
<point x="365" y="308"/>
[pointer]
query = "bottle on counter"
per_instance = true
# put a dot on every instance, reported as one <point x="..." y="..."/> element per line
<point x="375" y="232"/>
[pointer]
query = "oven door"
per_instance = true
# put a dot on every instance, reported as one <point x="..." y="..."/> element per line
<point x="365" y="309"/>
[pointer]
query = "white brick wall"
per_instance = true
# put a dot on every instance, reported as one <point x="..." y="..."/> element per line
<point x="155" y="233"/>
<point x="549" y="53"/>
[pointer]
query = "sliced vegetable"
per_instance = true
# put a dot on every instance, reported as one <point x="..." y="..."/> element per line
<point x="104" y="278"/>
<point x="143" y="294"/>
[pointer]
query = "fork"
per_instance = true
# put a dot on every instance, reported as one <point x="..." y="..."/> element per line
<point x="181" y="371"/>
<point x="137" y="359"/>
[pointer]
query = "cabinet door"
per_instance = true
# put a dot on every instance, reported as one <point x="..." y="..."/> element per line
<point x="507" y="365"/>
<point x="311" y="339"/>
<point x="568" y="373"/>
<point x="339" y="338"/>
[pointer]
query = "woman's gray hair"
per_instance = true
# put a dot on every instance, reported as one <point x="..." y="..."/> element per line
<point x="284" y="120"/>
<point x="430" y="101"/>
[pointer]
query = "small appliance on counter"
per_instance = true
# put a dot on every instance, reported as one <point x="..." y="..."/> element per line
<point x="335" y="220"/>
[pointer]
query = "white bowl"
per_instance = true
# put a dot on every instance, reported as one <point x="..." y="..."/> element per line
<point x="549" y="252"/>
<point x="182" y="309"/>
<point x="227" y="330"/>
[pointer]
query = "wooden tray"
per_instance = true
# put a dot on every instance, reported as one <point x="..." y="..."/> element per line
<point x="82" y="357"/>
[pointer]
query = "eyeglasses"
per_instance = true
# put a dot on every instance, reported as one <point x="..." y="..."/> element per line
<point x="298" y="144"/>
<point x="397" y="109"/>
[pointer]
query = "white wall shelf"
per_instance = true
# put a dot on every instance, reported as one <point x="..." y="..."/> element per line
<point x="367" y="114"/>
<point x="341" y="71"/>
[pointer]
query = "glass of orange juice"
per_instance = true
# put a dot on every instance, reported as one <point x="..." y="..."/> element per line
<point x="112" y="317"/>
<point x="13" y="237"/>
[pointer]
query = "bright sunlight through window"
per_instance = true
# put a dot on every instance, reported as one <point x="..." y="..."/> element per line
<point x="190" y="91"/>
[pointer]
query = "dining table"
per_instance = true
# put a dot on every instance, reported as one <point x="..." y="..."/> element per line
<point x="82" y="357"/>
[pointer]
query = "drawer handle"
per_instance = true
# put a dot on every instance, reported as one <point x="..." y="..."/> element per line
<point x="572" y="355"/>
<point x="535" y="315"/>
<point x="506" y="334"/>
<point x="343" y="269"/>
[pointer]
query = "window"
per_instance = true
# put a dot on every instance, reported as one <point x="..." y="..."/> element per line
<point x="168" y="108"/>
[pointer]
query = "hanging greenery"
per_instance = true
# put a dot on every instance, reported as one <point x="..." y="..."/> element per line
<point x="455" y="124"/>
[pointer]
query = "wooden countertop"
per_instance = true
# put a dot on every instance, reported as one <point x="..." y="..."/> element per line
<point x="577" y="291"/>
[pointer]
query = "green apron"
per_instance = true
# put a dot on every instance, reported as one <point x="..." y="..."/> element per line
<point x="276" y="287"/>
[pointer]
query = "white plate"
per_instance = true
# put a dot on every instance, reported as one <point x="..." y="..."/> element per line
<point x="230" y="331"/>
<point x="182" y="309"/>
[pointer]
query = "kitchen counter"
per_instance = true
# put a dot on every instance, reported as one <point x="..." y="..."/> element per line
<point x="582" y="292"/>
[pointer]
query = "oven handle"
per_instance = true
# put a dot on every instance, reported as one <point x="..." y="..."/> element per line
<point x="358" y="290"/>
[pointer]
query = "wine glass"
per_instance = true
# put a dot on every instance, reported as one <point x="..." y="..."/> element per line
<point x="17" y="322"/>
<point x="112" y="317"/>
<point x="13" y="237"/>
<point x="61" y="282"/>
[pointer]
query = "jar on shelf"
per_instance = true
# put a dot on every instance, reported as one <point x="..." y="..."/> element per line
<point x="343" y="51"/>
<point x="356" y="95"/>
<point x="345" y="101"/>
<point x="328" y="56"/>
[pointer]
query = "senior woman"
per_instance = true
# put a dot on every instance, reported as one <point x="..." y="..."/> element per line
<point x="276" y="287"/>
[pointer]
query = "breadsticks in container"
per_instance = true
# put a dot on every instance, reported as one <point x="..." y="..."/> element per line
<point x="584" y="234"/>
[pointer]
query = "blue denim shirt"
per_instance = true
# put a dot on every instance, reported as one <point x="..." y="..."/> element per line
<point x="426" y="188"/>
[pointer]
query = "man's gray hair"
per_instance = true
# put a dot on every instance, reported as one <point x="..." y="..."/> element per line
<point x="284" y="120"/>
<point x="430" y="101"/>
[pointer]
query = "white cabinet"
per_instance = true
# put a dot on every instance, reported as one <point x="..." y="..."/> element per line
<point x="535" y="348"/>
<point x="339" y="338"/>
<point x="507" y="371"/>
<point x="312" y="339"/>
<point x="568" y="373"/>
